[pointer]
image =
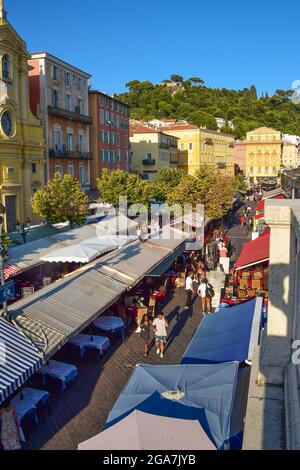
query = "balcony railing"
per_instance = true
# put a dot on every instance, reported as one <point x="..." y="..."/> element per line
<point x="70" y="154"/>
<point x="148" y="162"/>
<point x="70" y="115"/>
<point x="164" y="146"/>
<point x="221" y="165"/>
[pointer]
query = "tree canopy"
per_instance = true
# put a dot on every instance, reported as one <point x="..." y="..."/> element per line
<point x="61" y="200"/>
<point x="200" y="105"/>
<point x="208" y="186"/>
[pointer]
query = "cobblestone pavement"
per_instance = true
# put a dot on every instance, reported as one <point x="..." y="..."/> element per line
<point x="80" y="412"/>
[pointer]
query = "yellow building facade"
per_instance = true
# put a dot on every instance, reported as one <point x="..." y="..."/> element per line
<point x="199" y="146"/>
<point x="263" y="154"/>
<point x="21" y="135"/>
<point x="152" y="150"/>
<point x="290" y="155"/>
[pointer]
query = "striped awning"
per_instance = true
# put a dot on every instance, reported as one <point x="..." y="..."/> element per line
<point x="19" y="359"/>
<point x="10" y="270"/>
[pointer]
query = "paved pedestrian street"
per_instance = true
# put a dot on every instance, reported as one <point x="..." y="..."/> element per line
<point x="81" y="412"/>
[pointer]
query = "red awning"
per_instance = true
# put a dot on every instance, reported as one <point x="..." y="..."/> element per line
<point x="259" y="216"/>
<point x="261" y="205"/>
<point x="10" y="270"/>
<point x="254" y="252"/>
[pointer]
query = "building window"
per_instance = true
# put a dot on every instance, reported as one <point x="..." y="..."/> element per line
<point x="69" y="106"/>
<point x="106" y="155"/>
<point x="55" y="72"/>
<point x="118" y="121"/>
<point x="33" y="167"/>
<point x="128" y="156"/>
<point x="149" y="157"/>
<point x="69" y="142"/>
<point x="106" y="137"/>
<point x="80" y="142"/>
<point x="5" y="66"/>
<point x="112" y="118"/>
<point x="102" y="99"/>
<point x="118" y="139"/>
<point x="106" y="117"/>
<point x="10" y="171"/>
<point x="111" y="104"/>
<point x="79" y="83"/>
<point x="118" y="155"/>
<point x="81" y="175"/>
<point x="101" y="117"/>
<point x="68" y="79"/>
<point x="79" y="106"/>
<point x="102" y="136"/>
<point x="112" y="156"/>
<point x="181" y="146"/>
<point x="71" y="169"/>
<point x="102" y="155"/>
<point x="58" y="169"/>
<point x="190" y="146"/>
<point x="107" y="101"/>
<point x="55" y="98"/>
<point x="112" y="138"/>
<point x="57" y="139"/>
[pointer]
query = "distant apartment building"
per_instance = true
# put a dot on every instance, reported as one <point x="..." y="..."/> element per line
<point x="200" y="146"/>
<point x="109" y="134"/>
<point x="239" y="156"/>
<point x="151" y="150"/>
<point x="59" y="97"/>
<point x="290" y="150"/>
<point x="263" y="154"/>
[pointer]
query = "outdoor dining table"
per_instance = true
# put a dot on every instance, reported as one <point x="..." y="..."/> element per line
<point x="85" y="342"/>
<point x="110" y="324"/>
<point x="28" y="401"/>
<point x="64" y="372"/>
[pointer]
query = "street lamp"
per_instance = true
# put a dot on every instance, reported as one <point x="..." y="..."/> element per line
<point x="23" y="229"/>
<point x="2" y="253"/>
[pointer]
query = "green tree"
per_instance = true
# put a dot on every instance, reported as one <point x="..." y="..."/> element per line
<point x="176" y="78"/>
<point x="165" y="181"/>
<point x="61" y="200"/>
<point x="114" y="184"/>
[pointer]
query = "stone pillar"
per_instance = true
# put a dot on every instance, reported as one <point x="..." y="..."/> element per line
<point x="278" y="335"/>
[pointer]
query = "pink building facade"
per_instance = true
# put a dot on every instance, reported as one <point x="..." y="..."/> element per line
<point x="239" y="155"/>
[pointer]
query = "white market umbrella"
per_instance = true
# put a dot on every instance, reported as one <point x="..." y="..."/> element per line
<point x="140" y="431"/>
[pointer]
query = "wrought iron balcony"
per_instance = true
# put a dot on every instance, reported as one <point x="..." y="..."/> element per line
<point x="149" y="162"/>
<point x="70" y="115"/>
<point x="70" y="154"/>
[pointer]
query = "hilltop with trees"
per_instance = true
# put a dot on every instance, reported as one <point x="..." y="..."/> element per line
<point x="200" y="105"/>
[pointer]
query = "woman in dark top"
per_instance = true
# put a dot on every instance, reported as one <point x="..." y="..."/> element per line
<point x="145" y="332"/>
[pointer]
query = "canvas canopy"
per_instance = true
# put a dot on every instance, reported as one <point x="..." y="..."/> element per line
<point x="193" y="392"/>
<point x="231" y="334"/>
<point x="135" y="432"/>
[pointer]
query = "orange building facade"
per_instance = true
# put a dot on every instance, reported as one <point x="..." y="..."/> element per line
<point x="59" y="98"/>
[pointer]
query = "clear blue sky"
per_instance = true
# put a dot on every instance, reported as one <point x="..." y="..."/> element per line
<point x="228" y="43"/>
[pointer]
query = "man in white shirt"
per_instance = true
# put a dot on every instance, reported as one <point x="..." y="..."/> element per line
<point x="203" y="290"/>
<point x="189" y="289"/>
<point x="160" y="326"/>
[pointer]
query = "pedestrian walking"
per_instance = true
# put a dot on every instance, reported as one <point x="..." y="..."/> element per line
<point x="242" y="221"/>
<point x="189" y="289"/>
<point x="10" y="430"/>
<point x="145" y="333"/>
<point x="206" y="293"/>
<point x="160" y="326"/>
